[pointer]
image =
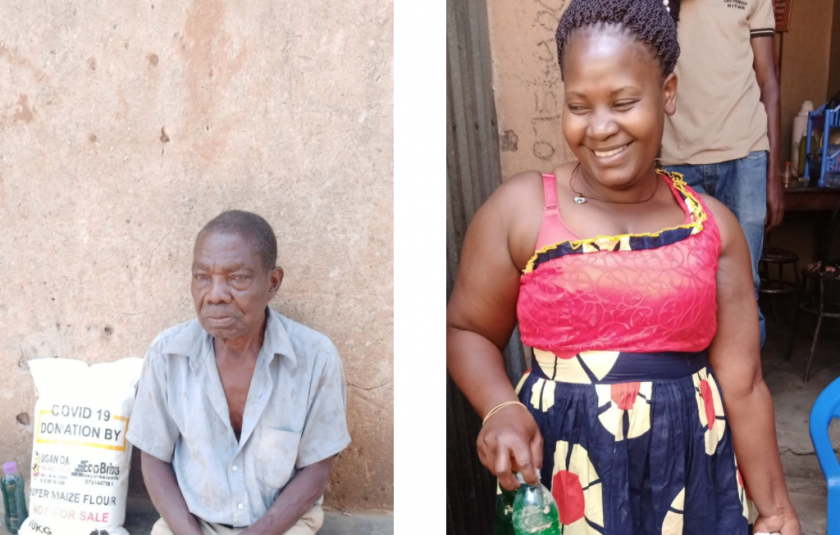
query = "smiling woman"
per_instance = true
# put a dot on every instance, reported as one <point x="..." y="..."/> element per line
<point x="633" y="292"/>
<point x="615" y="96"/>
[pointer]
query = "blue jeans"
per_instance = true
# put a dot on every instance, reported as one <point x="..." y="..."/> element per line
<point x="742" y="186"/>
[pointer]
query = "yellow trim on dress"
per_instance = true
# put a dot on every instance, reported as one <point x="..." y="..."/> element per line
<point x="696" y="212"/>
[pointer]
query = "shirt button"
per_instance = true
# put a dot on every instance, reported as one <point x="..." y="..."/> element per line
<point x="234" y="468"/>
<point x="241" y="506"/>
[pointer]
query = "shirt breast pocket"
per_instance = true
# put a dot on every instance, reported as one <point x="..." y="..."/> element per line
<point x="276" y="456"/>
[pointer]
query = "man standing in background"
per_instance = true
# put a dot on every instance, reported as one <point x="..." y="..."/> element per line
<point x="728" y="113"/>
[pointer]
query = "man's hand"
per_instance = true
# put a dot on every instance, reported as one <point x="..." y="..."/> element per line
<point x="166" y="495"/>
<point x="775" y="196"/>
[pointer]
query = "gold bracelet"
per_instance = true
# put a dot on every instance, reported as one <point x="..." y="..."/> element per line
<point x="499" y="407"/>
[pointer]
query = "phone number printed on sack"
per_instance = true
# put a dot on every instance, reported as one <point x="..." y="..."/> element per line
<point x="81" y="426"/>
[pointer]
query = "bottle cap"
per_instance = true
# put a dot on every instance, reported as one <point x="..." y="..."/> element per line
<point x="521" y="478"/>
<point x="10" y="467"/>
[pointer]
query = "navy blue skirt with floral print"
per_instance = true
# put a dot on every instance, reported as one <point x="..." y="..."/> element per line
<point x="636" y="444"/>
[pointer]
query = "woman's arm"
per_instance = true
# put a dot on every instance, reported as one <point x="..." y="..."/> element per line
<point x="735" y="357"/>
<point x="480" y="318"/>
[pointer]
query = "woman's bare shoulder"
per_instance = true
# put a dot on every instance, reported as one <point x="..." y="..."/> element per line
<point x="520" y="201"/>
<point x="519" y="186"/>
<point x="528" y="186"/>
<point x="720" y="212"/>
<point x="730" y="228"/>
<point x="515" y="210"/>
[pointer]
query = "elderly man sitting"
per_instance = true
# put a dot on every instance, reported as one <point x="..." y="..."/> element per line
<point x="240" y="411"/>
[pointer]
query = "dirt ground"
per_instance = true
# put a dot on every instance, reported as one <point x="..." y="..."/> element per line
<point x="793" y="400"/>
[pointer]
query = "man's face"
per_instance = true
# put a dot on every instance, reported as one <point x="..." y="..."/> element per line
<point x="230" y="288"/>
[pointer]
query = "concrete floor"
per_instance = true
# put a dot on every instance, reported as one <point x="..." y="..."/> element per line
<point x="793" y="400"/>
<point x="141" y="515"/>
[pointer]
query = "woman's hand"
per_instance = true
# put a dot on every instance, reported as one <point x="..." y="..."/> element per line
<point x="786" y="523"/>
<point x="511" y="442"/>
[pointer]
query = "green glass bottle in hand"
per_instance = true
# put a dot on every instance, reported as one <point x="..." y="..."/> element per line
<point x="534" y="510"/>
<point x="14" y="497"/>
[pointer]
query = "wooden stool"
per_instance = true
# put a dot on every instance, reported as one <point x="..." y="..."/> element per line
<point x="772" y="287"/>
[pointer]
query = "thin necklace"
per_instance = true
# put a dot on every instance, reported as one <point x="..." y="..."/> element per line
<point x="580" y="199"/>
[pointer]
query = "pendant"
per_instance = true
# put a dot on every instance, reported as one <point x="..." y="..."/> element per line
<point x="580" y="200"/>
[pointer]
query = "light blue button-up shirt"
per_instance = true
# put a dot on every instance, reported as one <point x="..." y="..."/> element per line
<point x="294" y="416"/>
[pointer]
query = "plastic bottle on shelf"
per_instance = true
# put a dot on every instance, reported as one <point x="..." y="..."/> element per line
<point x="534" y="510"/>
<point x="14" y="497"/>
<point x="787" y="176"/>
<point x="801" y="156"/>
<point x="800" y="127"/>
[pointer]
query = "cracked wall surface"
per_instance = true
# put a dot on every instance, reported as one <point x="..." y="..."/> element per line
<point x="527" y="86"/>
<point x="125" y="126"/>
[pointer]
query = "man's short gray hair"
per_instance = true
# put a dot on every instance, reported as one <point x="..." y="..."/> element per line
<point x="250" y="226"/>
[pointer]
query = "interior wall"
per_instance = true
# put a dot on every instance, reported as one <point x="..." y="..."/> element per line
<point x="805" y="61"/>
<point x="810" y="70"/>
<point x="834" y="53"/>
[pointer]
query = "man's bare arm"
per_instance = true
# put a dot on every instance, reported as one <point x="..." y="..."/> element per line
<point x="166" y="495"/>
<point x="764" y="65"/>
<point x="294" y="500"/>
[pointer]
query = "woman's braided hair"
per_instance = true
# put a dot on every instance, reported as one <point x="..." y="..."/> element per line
<point x="647" y="20"/>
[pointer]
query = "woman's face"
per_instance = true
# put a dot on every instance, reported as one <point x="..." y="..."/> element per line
<point x="616" y="101"/>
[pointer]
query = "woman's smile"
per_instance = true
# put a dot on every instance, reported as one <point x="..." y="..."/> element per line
<point x="606" y="155"/>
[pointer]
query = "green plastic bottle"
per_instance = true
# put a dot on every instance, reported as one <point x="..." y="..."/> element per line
<point x="534" y="510"/>
<point x="504" y="512"/>
<point x="14" y="497"/>
<point x="803" y="154"/>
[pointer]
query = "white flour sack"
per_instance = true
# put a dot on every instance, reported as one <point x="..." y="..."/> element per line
<point x="80" y="457"/>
